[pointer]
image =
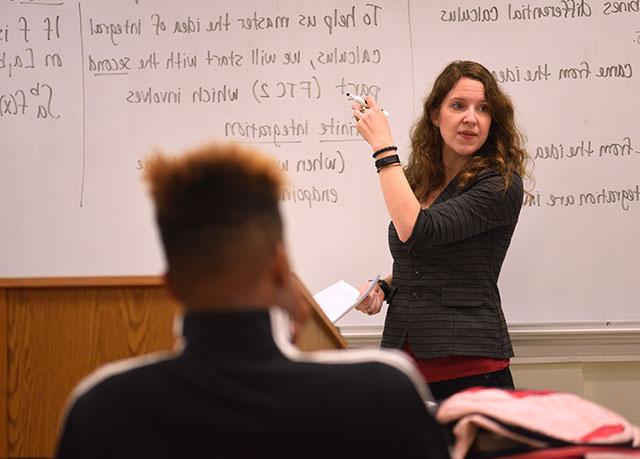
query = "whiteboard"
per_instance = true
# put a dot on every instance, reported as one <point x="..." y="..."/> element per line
<point x="90" y="89"/>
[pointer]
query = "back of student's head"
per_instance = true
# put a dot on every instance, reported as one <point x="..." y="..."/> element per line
<point x="217" y="210"/>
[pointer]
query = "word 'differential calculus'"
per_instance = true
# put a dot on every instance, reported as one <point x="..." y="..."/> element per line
<point x="562" y="9"/>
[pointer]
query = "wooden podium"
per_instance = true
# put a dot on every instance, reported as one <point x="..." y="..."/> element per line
<point x="55" y="331"/>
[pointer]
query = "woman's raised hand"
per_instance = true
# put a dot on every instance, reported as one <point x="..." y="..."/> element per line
<point x="372" y="124"/>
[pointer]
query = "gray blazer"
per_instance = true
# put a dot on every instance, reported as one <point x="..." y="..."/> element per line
<point x="447" y="300"/>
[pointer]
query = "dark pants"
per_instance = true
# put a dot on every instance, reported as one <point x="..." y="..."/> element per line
<point x="501" y="379"/>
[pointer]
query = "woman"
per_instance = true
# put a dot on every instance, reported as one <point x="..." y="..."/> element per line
<point x="453" y="210"/>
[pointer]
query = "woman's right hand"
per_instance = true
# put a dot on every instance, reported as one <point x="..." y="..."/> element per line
<point x="372" y="124"/>
<point x="372" y="303"/>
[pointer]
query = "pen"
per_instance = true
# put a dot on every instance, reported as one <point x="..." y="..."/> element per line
<point x="361" y="101"/>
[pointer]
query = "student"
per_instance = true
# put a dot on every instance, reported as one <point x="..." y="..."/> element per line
<point x="453" y="211"/>
<point x="237" y="388"/>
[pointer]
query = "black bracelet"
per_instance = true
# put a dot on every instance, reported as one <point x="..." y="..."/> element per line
<point x="386" y="161"/>
<point x="382" y="150"/>
<point x="386" y="289"/>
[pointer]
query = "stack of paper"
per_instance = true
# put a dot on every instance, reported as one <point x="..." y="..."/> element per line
<point x="340" y="298"/>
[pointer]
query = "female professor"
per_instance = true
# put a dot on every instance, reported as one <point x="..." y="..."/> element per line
<point x="453" y="210"/>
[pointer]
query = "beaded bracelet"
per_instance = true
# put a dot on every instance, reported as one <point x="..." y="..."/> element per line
<point x="382" y="150"/>
<point x="386" y="161"/>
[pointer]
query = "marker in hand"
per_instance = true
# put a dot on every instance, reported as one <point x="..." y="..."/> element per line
<point x="362" y="102"/>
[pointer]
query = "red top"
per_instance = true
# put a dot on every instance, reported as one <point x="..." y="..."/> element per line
<point x="454" y="366"/>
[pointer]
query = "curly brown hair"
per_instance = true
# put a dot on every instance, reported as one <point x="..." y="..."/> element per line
<point x="503" y="149"/>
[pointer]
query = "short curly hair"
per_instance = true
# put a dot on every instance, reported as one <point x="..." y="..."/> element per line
<point x="216" y="207"/>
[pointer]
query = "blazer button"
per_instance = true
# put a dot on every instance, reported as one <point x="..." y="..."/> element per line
<point x="417" y="274"/>
<point x="413" y="251"/>
<point x="414" y="295"/>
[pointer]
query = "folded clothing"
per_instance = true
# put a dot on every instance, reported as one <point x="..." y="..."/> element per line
<point x="496" y="422"/>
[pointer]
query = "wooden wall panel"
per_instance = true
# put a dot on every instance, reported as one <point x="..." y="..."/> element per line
<point x="57" y="336"/>
<point x="4" y="426"/>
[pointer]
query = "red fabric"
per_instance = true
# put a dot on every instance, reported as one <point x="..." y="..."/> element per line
<point x="577" y="452"/>
<point x="455" y="366"/>
<point x="603" y="432"/>
<point x="520" y="393"/>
